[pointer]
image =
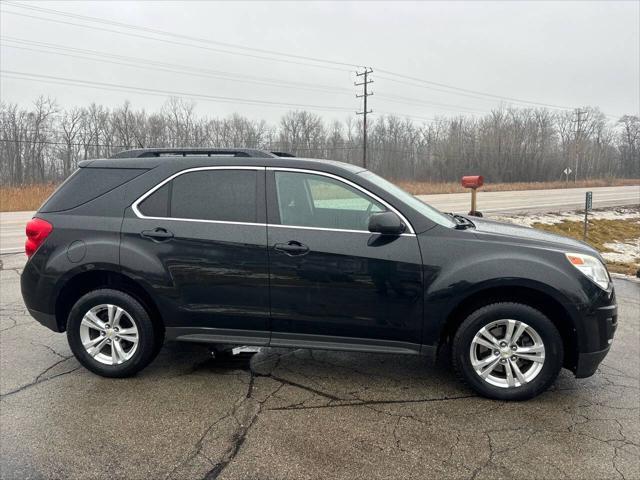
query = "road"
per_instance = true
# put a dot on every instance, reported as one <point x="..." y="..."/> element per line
<point x="297" y="414"/>
<point x="12" y="223"/>
<point x="553" y="200"/>
<point x="12" y="234"/>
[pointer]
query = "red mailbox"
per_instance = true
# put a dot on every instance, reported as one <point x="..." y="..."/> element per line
<point x="472" y="181"/>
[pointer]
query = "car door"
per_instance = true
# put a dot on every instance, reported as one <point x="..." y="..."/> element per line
<point x="197" y="242"/>
<point x="332" y="282"/>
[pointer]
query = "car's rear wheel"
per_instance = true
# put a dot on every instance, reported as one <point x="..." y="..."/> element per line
<point x="111" y="334"/>
<point x="508" y="351"/>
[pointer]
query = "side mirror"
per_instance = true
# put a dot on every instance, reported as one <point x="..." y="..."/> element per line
<point x="386" y="223"/>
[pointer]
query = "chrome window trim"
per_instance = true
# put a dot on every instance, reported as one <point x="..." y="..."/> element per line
<point x="139" y="214"/>
<point x="351" y="184"/>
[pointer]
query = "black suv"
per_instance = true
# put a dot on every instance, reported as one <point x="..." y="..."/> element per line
<point x="251" y="248"/>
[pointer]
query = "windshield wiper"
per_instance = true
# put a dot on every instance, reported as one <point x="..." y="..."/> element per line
<point x="461" y="222"/>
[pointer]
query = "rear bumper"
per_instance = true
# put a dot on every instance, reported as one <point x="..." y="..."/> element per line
<point x="37" y="292"/>
<point x="45" y="319"/>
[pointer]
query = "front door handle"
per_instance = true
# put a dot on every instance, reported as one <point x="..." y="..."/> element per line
<point x="157" y="234"/>
<point x="292" y="248"/>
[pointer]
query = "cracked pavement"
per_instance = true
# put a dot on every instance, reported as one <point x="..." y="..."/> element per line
<point x="302" y="413"/>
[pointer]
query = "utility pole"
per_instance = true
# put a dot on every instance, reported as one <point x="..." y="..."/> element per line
<point x="365" y="93"/>
<point x="578" y="136"/>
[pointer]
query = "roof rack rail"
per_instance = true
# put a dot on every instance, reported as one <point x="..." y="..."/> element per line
<point x="177" y="152"/>
<point x="284" y="154"/>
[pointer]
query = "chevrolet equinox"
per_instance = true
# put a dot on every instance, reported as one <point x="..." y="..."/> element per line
<point x="247" y="247"/>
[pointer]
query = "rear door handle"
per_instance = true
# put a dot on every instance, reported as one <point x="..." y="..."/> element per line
<point x="292" y="248"/>
<point x="157" y="234"/>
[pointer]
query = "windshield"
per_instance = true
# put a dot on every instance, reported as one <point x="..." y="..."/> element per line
<point x="418" y="205"/>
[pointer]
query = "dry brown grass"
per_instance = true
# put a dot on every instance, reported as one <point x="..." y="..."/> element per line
<point x="17" y="199"/>
<point x="600" y="232"/>
<point x="427" y="188"/>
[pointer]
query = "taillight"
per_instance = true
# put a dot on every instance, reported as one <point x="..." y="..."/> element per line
<point x="37" y="232"/>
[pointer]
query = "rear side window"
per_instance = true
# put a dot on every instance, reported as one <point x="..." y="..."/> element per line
<point x="222" y="195"/>
<point x="156" y="204"/>
<point x="87" y="184"/>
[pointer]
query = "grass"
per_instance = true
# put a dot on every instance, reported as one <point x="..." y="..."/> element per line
<point x="16" y="199"/>
<point x="602" y="232"/>
<point x="427" y="188"/>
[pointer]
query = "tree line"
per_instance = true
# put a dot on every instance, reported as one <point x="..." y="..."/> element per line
<point x="44" y="143"/>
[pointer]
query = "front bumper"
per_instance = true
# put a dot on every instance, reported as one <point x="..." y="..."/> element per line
<point x="603" y="324"/>
<point x="588" y="363"/>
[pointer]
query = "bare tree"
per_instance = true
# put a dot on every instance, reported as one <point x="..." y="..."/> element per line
<point x="41" y="143"/>
<point x="630" y="145"/>
<point x="70" y="123"/>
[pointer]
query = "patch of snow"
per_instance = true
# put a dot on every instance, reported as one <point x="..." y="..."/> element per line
<point x="527" y="220"/>
<point x="624" y="252"/>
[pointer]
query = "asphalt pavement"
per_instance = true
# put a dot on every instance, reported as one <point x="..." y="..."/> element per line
<point x="295" y="414"/>
<point x="12" y="223"/>
<point x="535" y="201"/>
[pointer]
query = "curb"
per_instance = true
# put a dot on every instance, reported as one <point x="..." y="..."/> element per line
<point x="622" y="276"/>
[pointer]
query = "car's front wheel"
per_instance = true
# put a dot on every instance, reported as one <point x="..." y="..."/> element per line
<point x="111" y="334"/>
<point x="508" y="351"/>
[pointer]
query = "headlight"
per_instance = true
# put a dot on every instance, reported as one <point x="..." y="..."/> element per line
<point x="592" y="267"/>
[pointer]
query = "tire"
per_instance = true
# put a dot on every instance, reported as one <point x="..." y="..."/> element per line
<point x="133" y="323"/>
<point x="538" y="368"/>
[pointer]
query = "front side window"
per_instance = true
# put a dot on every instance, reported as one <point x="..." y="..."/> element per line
<point x="427" y="210"/>
<point x="309" y="200"/>
<point x="218" y="195"/>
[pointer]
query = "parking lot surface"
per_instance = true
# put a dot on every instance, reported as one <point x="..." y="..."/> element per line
<point x="302" y="413"/>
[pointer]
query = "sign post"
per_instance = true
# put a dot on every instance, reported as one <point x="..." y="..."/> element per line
<point x="588" y="203"/>
<point x="567" y="171"/>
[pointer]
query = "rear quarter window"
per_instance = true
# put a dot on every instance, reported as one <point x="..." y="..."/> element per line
<point x="87" y="184"/>
<point x="222" y="195"/>
<point x="156" y="204"/>
<point x="216" y="195"/>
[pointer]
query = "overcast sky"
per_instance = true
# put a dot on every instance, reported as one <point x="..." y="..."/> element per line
<point x="564" y="54"/>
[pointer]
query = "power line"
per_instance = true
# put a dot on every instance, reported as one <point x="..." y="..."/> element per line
<point x="184" y="72"/>
<point x="413" y="84"/>
<point x="178" y="35"/>
<point x="413" y="117"/>
<point x="173" y="42"/>
<point x="142" y="63"/>
<point x="157" y="92"/>
<point x="49" y="142"/>
<point x="414" y="101"/>
<point x="481" y="96"/>
<point x="153" y="91"/>
<point x="425" y="83"/>
<point x="475" y="92"/>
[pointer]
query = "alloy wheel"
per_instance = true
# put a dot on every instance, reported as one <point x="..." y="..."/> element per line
<point x="109" y="334"/>
<point x="507" y="353"/>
